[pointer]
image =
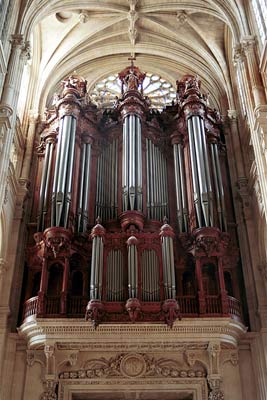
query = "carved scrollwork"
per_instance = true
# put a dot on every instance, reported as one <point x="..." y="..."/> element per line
<point x="133" y="307"/>
<point x="50" y="390"/>
<point x="132" y="365"/>
<point x="57" y="239"/>
<point x="94" y="312"/>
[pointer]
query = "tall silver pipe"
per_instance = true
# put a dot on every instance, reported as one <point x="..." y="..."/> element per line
<point x="132" y="267"/>
<point x="168" y="262"/>
<point x="201" y="169"/>
<point x="42" y="188"/>
<point x="161" y="185"/>
<point x="61" y="190"/>
<point x="148" y="185"/>
<point x="86" y="184"/>
<point x="165" y="187"/>
<point x="178" y="187"/>
<point x="62" y="183"/>
<point x="207" y="170"/>
<point x="194" y="171"/>
<point x="112" y="178"/>
<point x="97" y="268"/>
<point x="46" y="189"/>
<point x="116" y="179"/>
<point x="156" y="166"/>
<point x="216" y="185"/>
<point x="92" y="280"/>
<point x="80" y="199"/>
<point x="220" y="182"/>
<point x="181" y="197"/>
<point x="139" y="165"/>
<point x="56" y="172"/>
<point x="132" y="163"/>
<point x="183" y="186"/>
<point x="70" y="172"/>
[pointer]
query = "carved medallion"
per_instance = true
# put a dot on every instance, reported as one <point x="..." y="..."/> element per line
<point x="133" y="365"/>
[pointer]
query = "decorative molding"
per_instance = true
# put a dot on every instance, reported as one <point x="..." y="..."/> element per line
<point x="132" y="365"/>
<point x="50" y="390"/>
<point x="37" y="331"/>
<point x="3" y="267"/>
<point x="84" y="16"/>
<point x="181" y="17"/>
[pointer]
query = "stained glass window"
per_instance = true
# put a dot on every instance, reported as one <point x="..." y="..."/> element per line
<point x="260" y="12"/>
<point x="160" y="92"/>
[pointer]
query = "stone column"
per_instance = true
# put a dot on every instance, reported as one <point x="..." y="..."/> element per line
<point x="33" y="119"/>
<point x="248" y="44"/>
<point x="50" y="382"/>
<point x="19" y="54"/>
<point x="3" y="269"/>
<point x="236" y="144"/>
<point x="214" y="377"/>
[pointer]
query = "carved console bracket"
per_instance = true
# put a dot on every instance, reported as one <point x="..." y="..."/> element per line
<point x="171" y="311"/>
<point x="94" y="312"/>
<point x="133" y="307"/>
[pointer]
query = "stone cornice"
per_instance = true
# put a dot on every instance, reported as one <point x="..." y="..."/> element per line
<point x="37" y="331"/>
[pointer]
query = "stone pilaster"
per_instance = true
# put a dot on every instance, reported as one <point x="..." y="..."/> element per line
<point x="249" y="44"/>
<point x="33" y="119"/>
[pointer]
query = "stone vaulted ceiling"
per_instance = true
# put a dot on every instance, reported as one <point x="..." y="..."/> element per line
<point x="169" y="38"/>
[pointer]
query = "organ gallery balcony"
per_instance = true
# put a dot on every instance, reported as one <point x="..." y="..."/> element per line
<point x="116" y="311"/>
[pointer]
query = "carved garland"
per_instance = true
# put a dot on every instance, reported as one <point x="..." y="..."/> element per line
<point x="132" y="366"/>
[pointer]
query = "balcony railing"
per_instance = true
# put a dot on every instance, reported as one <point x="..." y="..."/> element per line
<point x="30" y="307"/>
<point x="213" y="305"/>
<point x="76" y="305"/>
<point x="188" y="305"/>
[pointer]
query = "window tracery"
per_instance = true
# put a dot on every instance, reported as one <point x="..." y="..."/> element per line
<point x="260" y="12"/>
<point x="160" y="92"/>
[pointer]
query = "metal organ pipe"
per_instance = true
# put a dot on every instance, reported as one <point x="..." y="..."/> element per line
<point x="150" y="275"/>
<point x="200" y="171"/>
<point x="156" y="174"/>
<point x="132" y="267"/>
<point x="84" y="187"/>
<point x="98" y="233"/>
<point x="61" y="196"/>
<point x="218" y="186"/>
<point x="107" y="180"/>
<point x="181" y="197"/>
<point x="167" y="235"/>
<point x="115" y="276"/>
<point x="44" y="189"/>
<point x="132" y="163"/>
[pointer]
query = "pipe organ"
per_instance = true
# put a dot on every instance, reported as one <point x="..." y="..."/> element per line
<point x="132" y="163"/>
<point x="154" y="182"/>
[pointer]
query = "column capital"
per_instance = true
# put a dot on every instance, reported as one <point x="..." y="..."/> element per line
<point x="3" y="266"/>
<point x="16" y="40"/>
<point x="232" y="115"/>
<point x="33" y="116"/>
<point x="26" y="51"/>
<point x="238" y="54"/>
<point x="248" y="43"/>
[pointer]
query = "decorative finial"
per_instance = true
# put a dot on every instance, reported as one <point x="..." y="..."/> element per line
<point x="132" y="59"/>
<point x="98" y="220"/>
<point x="165" y="220"/>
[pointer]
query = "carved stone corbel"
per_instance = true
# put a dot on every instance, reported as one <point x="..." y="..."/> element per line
<point x="3" y="267"/>
<point x="215" y="391"/>
<point x="214" y="351"/>
<point x="49" y="351"/>
<point x="49" y="392"/>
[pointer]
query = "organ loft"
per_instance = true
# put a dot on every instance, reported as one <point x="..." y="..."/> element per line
<point x="132" y="219"/>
